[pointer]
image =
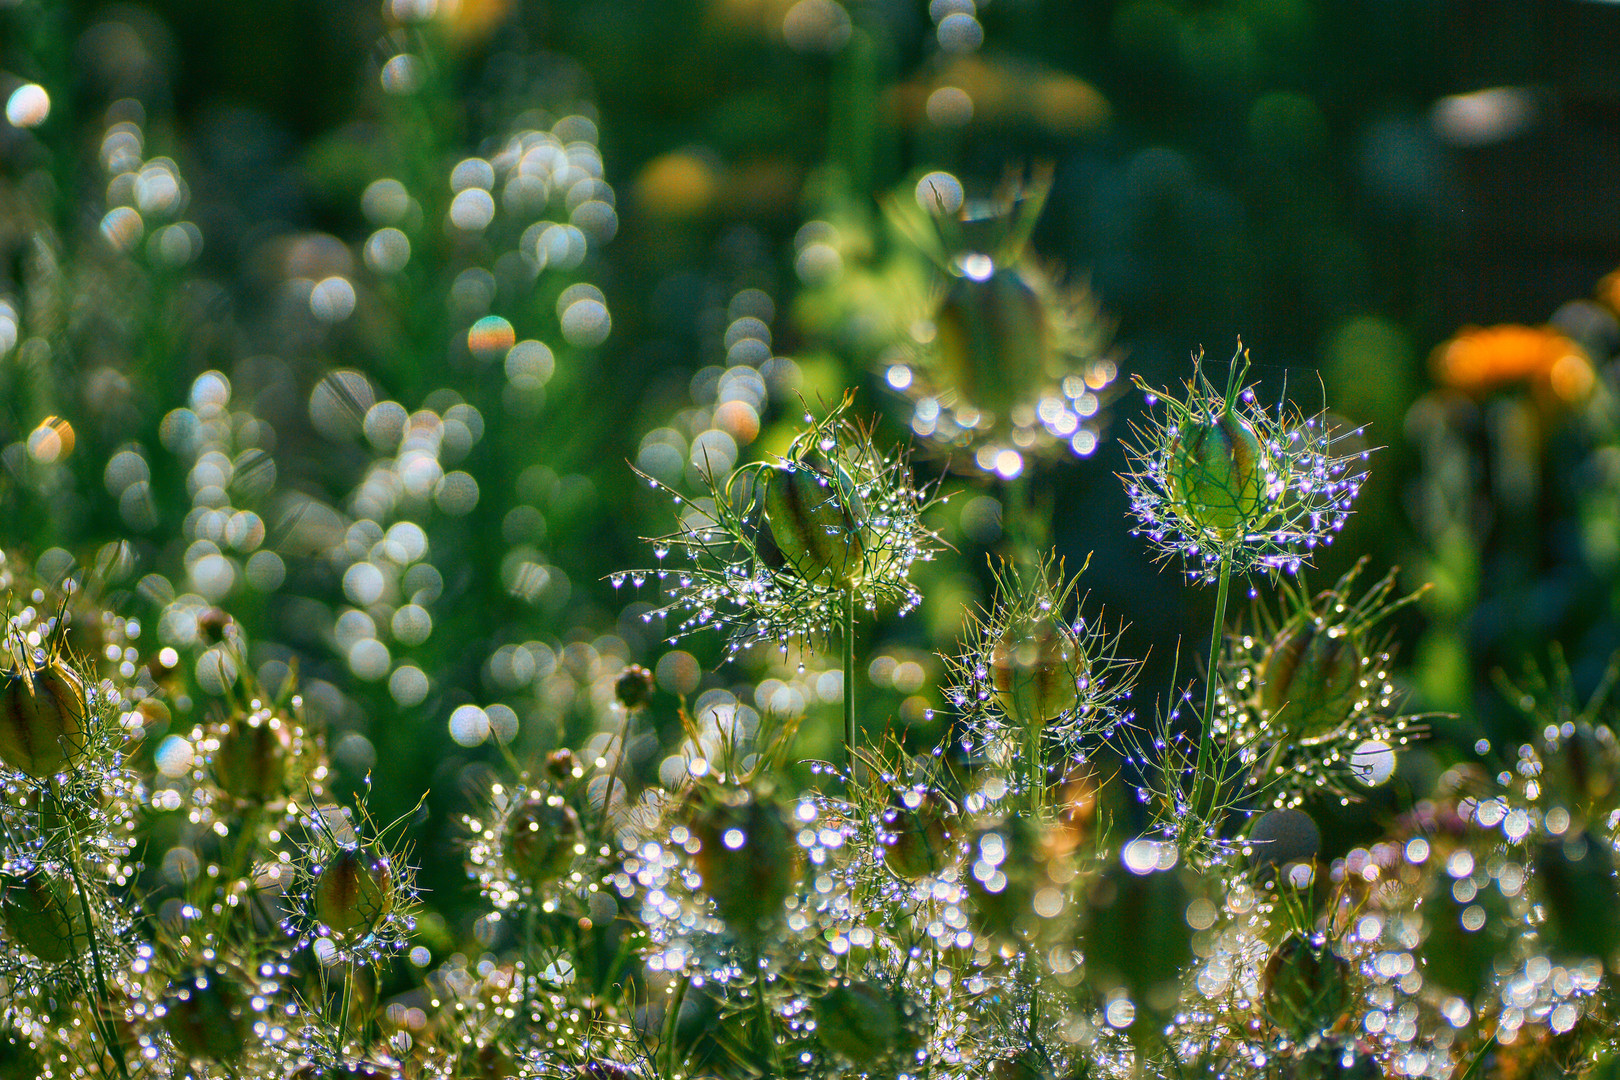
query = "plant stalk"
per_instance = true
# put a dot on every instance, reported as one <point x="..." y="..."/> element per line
<point x="1206" y="735"/>
<point x="114" y="1046"/>
<point x="849" y="682"/>
<point x="672" y="1017"/>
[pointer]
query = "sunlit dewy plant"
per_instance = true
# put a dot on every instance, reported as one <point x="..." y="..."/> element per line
<point x="787" y="551"/>
<point x="1233" y="488"/>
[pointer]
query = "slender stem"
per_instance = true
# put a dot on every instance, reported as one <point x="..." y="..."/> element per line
<point x="114" y="1046"/>
<point x="672" y="1017"/>
<point x="767" y="1036"/>
<point x="1206" y="737"/>
<point x="849" y="682"/>
<point x="343" y="1010"/>
<point x="613" y="777"/>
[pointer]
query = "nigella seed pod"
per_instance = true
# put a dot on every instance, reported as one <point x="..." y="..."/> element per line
<point x="1036" y="666"/>
<point x="1309" y="678"/>
<point x="42" y="914"/>
<point x="917" y="843"/>
<point x="1215" y="473"/>
<point x="1574" y="875"/>
<point x="1280" y="837"/>
<point x="1009" y="878"/>
<point x="541" y="838"/>
<point x="859" y="1021"/>
<point x="354" y="892"/>
<point x="251" y="763"/>
<point x="1305" y="987"/>
<point x="746" y="859"/>
<point x="817" y="522"/>
<point x="560" y="764"/>
<point x="634" y="687"/>
<point x="207" y="1013"/>
<point x="43" y="719"/>
<point x="993" y="336"/>
<point x="214" y="626"/>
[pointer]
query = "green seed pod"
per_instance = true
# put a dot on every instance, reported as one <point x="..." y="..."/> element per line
<point x="1280" y="837"/>
<point x="541" y="838"/>
<point x="817" y="521"/>
<point x="993" y="337"/>
<point x="747" y="859"/>
<point x="1575" y="877"/>
<point x="1009" y="878"/>
<point x="1036" y="667"/>
<point x="1305" y="987"/>
<point x="354" y="892"/>
<point x="207" y="1013"/>
<point x="42" y="914"/>
<point x="251" y="763"/>
<point x="43" y="716"/>
<point x="1309" y="678"/>
<point x="918" y="843"/>
<point x="1216" y="475"/>
<point x="859" y="1021"/>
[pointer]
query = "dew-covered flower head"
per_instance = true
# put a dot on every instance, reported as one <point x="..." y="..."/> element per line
<point x="1220" y="479"/>
<point x="772" y="553"/>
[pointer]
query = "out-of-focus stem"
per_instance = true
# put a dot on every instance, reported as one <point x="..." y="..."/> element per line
<point x="1206" y="735"/>
<point x="102" y="1003"/>
<point x="849" y="682"/>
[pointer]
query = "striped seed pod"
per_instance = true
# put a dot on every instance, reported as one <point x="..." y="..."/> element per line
<point x="541" y="838"/>
<point x="43" y="719"/>
<point x="42" y="914"/>
<point x="918" y="840"/>
<point x="251" y="763"/>
<point x="818" y="521"/>
<point x="1304" y="987"/>
<point x="746" y="858"/>
<point x="1216" y="475"/>
<point x="354" y="892"/>
<point x="993" y="338"/>
<point x="1036" y="666"/>
<point x="859" y="1021"/>
<point x="1309" y="678"/>
<point x="207" y="1013"/>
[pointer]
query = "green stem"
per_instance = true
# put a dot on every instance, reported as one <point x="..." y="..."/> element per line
<point x="1206" y="736"/>
<point x="613" y="777"/>
<point x="767" y="1036"/>
<point x="102" y="1002"/>
<point x="672" y="1016"/>
<point x="343" y="1010"/>
<point x="849" y="682"/>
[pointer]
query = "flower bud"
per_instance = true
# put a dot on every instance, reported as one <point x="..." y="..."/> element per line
<point x="1215" y="475"/>
<point x="918" y="840"/>
<point x="746" y="859"/>
<point x="354" y="892"/>
<point x="214" y="626"/>
<point x="42" y="914"/>
<point x="1036" y="667"/>
<point x="541" y="838"/>
<point x="43" y="717"/>
<point x="1309" y="678"/>
<point x="1304" y="987"/>
<point x="251" y="762"/>
<point x="207" y="1013"/>
<point x="560" y="764"/>
<point x="634" y="687"/>
<point x="859" y="1021"/>
<point x="817" y="522"/>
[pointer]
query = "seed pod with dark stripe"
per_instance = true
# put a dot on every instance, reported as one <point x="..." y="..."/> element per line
<point x="746" y="858"/>
<point x="1036" y="666"/>
<point x="1308" y="678"/>
<point x="817" y="520"/>
<point x="251" y="762"/>
<point x="354" y="891"/>
<point x="1304" y="987"/>
<point x="918" y="828"/>
<point x="993" y="338"/>
<point x="42" y="719"/>
<point x="207" y="1013"/>
<point x="42" y="914"/>
<point x="1215" y="475"/>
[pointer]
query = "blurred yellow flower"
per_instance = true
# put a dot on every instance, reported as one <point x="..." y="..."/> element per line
<point x="1480" y="360"/>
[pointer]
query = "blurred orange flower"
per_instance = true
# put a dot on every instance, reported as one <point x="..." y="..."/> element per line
<point x="1608" y="290"/>
<point x="1479" y="360"/>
